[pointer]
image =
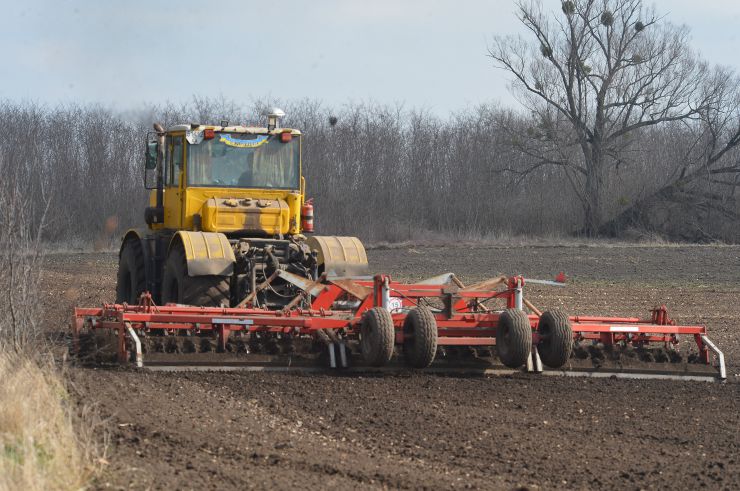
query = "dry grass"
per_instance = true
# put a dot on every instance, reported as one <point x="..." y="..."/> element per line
<point x="45" y="443"/>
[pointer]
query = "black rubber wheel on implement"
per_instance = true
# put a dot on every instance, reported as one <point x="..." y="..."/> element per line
<point x="513" y="338"/>
<point x="556" y="338"/>
<point x="202" y="291"/>
<point x="419" y="338"/>
<point x="377" y="337"/>
<point x="131" y="281"/>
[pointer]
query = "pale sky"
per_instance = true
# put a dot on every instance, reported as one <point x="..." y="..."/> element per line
<point x="423" y="53"/>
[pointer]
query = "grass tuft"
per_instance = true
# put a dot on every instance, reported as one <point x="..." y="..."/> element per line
<point x="45" y="443"/>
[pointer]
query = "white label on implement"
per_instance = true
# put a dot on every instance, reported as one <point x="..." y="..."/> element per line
<point x="395" y="303"/>
<point x="624" y="328"/>
<point x="243" y="322"/>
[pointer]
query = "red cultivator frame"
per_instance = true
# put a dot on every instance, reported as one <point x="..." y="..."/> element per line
<point x="424" y="319"/>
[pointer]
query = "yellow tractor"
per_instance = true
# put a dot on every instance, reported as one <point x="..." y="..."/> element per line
<point x="227" y="220"/>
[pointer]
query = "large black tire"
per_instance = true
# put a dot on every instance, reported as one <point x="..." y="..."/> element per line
<point x="556" y="338"/>
<point x="131" y="281"/>
<point x="513" y="338"/>
<point x="202" y="291"/>
<point x="377" y="337"/>
<point x="419" y="338"/>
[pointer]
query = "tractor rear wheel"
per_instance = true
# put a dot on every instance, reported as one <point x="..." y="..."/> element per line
<point x="419" y="337"/>
<point x="556" y="338"/>
<point x="513" y="338"/>
<point x="131" y="281"/>
<point x="377" y="337"/>
<point x="202" y="291"/>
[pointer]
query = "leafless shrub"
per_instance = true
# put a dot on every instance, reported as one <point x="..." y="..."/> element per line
<point x="23" y="205"/>
<point x="388" y="173"/>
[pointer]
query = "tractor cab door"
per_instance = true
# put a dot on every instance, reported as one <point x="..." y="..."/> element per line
<point x="173" y="181"/>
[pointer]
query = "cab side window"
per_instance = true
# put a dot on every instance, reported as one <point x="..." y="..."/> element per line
<point x="174" y="160"/>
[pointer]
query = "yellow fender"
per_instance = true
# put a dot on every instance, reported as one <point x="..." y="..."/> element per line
<point x="339" y="256"/>
<point x="206" y="253"/>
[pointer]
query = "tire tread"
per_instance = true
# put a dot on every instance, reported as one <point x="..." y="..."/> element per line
<point x="420" y="349"/>
<point x="131" y="252"/>
<point x="377" y="350"/>
<point x="556" y="352"/>
<point x="515" y="353"/>
<point x="200" y="291"/>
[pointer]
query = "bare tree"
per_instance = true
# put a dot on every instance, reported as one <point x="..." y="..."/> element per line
<point x="23" y="206"/>
<point x="702" y="186"/>
<point x="593" y="75"/>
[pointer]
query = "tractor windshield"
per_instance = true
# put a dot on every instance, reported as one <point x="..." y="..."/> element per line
<point x="239" y="160"/>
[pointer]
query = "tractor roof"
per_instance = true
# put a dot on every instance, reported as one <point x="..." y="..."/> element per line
<point x="231" y="129"/>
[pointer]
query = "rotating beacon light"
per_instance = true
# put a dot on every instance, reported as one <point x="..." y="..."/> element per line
<point x="273" y="118"/>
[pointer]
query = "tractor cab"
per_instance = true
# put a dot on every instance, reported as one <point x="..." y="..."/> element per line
<point x="237" y="180"/>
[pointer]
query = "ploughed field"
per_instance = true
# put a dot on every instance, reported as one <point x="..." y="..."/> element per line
<point x="256" y="430"/>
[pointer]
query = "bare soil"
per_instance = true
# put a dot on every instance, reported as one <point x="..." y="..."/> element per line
<point x="209" y="430"/>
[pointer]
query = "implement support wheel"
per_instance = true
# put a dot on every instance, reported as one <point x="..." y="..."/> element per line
<point x="419" y="338"/>
<point x="556" y="338"/>
<point x="201" y="291"/>
<point x="131" y="280"/>
<point x="377" y="337"/>
<point x="513" y="338"/>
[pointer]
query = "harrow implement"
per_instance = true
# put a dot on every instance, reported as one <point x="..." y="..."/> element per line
<point x="360" y="323"/>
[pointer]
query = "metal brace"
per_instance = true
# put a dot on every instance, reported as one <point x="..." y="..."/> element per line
<point x="534" y="363"/>
<point x="342" y="354"/>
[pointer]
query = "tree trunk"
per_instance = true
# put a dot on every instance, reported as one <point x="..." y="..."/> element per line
<point x="592" y="203"/>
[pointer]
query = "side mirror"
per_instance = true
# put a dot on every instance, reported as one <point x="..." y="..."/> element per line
<point x="151" y="153"/>
<point x="150" y="162"/>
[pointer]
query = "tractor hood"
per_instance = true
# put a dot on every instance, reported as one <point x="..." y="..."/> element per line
<point x="263" y="216"/>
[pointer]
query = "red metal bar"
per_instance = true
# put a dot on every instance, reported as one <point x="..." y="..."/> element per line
<point x="327" y="298"/>
<point x="612" y="320"/>
<point x="637" y="328"/>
